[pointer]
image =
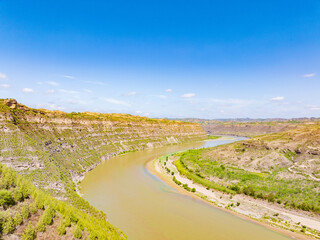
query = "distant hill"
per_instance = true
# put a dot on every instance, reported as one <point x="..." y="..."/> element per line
<point x="249" y="127"/>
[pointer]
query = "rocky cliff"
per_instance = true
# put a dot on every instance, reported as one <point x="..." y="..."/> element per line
<point x="52" y="147"/>
<point x="248" y="128"/>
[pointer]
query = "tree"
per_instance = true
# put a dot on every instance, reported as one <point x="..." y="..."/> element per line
<point x="25" y="211"/>
<point x="61" y="228"/>
<point x="6" y="198"/>
<point x="17" y="219"/>
<point x="77" y="233"/>
<point x="8" y="225"/>
<point x="29" y="233"/>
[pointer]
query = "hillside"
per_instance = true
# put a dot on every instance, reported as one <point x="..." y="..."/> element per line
<point x="54" y="149"/>
<point x="28" y="213"/>
<point x="250" y="127"/>
<point x="281" y="169"/>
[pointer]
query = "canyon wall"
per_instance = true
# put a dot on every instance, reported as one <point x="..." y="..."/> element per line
<point x="54" y="149"/>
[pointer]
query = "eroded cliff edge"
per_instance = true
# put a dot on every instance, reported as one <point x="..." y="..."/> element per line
<point x="54" y="149"/>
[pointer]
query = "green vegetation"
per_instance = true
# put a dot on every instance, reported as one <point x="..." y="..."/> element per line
<point x="176" y="181"/>
<point x="6" y="198"/>
<point x="53" y="149"/>
<point x="29" y="233"/>
<point x="289" y="154"/>
<point x="53" y="208"/>
<point x="77" y="233"/>
<point x="213" y="137"/>
<point x="205" y="168"/>
<point x="61" y="228"/>
<point x="197" y="177"/>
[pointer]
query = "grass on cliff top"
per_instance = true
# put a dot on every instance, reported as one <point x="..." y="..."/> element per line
<point x="20" y="201"/>
<point x="84" y="115"/>
<point x="211" y="137"/>
<point x="295" y="193"/>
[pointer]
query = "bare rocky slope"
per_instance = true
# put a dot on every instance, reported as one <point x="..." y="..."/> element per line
<point x="54" y="149"/>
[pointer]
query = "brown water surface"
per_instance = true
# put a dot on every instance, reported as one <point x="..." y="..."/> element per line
<point x="146" y="208"/>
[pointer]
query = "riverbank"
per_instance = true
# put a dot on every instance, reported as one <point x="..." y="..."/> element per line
<point x="286" y="221"/>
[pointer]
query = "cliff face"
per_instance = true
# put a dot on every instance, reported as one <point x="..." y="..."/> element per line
<point x="246" y="129"/>
<point x="52" y="147"/>
<point x="251" y="127"/>
<point x="294" y="153"/>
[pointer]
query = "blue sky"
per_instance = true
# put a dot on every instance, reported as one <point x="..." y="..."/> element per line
<point x="204" y="59"/>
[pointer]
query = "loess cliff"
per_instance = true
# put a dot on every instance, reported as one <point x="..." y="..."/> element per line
<point x="54" y="149"/>
<point x="249" y="128"/>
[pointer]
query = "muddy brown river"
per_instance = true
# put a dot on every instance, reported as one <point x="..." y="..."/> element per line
<point x="146" y="208"/>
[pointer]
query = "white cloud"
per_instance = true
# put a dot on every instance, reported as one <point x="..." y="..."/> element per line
<point x="308" y="75"/>
<point x="51" y="106"/>
<point x="68" y="91"/>
<point x="115" y="101"/>
<point x="95" y="82"/>
<point x="52" y="83"/>
<point x="87" y="90"/>
<point x="28" y="90"/>
<point x="69" y="76"/>
<point x="169" y="90"/>
<point x="3" y="76"/>
<point x="315" y="108"/>
<point x="4" y="86"/>
<point x="50" y="91"/>
<point x="138" y="112"/>
<point x="188" y="95"/>
<point x="55" y="107"/>
<point x="162" y="96"/>
<point x="130" y="94"/>
<point x="277" y="99"/>
<point x="40" y="83"/>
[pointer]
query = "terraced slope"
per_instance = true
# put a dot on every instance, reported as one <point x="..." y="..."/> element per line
<point x="28" y="213"/>
<point x="249" y="128"/>
<point x="54" y="149"/>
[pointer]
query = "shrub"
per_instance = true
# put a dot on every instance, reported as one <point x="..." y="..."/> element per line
<point x="238" y="204"/>
<point x="92" y="236"/>
<point x="8" y="225"/>
<point x="48" y="215"/>
<point x="73" y="218"/>
<point x="77" y="233"/>
<point x="33" y="209"/>
<point x="6" y="198"/>
<point x="17" y="195"/>
<point x="17" y="219"/>
<point x="193" y="190"/>
<point x="29" y="233"/>
<point x="39" y="202"/>
<point x="67" y="221"/>
<point x="61" y="228"/>
<point x="186" y="187"/>
<point x="235" y="188"/>
<point x="176" y="181"/>
<point x="25" y="211"/>
<point x="25" y="188"/>
<point x="41" y="227"/>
